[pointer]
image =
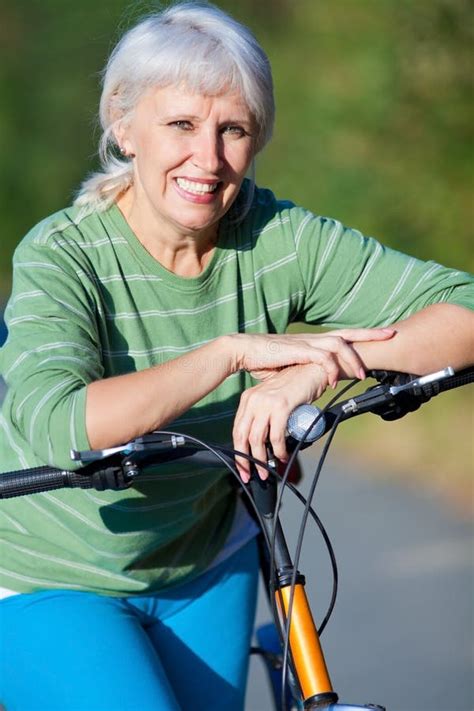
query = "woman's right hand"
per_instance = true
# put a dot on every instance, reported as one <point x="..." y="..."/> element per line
<point x="263" y="354"/>
<point x="264" y="410"/>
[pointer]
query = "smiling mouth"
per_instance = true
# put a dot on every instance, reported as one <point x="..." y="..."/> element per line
<point x="197" y="188"/>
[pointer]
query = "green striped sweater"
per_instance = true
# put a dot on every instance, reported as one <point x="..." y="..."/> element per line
<point x="90" y="302"/>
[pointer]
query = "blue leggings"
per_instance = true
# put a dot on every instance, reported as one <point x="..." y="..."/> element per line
<point x="182" y="650"/>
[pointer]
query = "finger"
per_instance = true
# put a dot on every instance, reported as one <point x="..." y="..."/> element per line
<point x="240" y="438"/>
<point x="257" y="439"/>
<point x="352" y="366"/>
<point x="277" y="436"/>
<point x="328" y="362"/>
<point x="264" y="374"/>
<point x="364" y="334"/>
<point x="241" y="463"/>
<point x="352" y="363"/>
<point x="342" y="353"/>
<point x="282" y="351"/>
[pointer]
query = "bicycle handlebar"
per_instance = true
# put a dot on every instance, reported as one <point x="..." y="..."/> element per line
<point x="38" y="479"/>
<point x="396" y="395"/>
<point x="120" y="475"/>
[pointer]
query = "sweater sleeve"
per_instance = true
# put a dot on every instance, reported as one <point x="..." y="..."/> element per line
<point x="351" y="280"/>
<point x="52" y="352"/>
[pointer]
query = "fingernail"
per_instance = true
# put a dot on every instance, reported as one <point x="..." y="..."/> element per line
<point x="389" y="330"/>
<point x="362" y="374"/>
<point x="263" y="474"/>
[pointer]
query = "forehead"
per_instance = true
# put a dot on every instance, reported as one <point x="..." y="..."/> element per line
<point x="171" y="100"/>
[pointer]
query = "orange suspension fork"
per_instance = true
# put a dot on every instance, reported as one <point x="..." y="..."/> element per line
<point x="309" y="665"/>
<point x="307" y="658"/>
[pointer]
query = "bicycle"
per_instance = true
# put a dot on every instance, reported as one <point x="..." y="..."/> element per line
<point x="294" y="658"/>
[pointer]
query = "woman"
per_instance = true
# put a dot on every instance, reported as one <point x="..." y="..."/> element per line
<point x="152" y="301"/>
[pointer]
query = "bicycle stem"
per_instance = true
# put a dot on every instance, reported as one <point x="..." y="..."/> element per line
<point x="307" y="656"/>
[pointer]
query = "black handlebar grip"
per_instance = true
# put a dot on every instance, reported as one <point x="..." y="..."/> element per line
<point x="32" y="481"/>
<point x="462" y="377"/>
<point x="429" y="390"/>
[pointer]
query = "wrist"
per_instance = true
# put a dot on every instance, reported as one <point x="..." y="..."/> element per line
<point x="231" y="352"/>
<point x="317" y="380"/>
<point x="369" y="353"/>
<point x="308" y="381"/>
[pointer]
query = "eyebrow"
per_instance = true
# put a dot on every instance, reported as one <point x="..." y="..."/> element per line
<point x="181" y="116"/>
<point x="191" y="117"/>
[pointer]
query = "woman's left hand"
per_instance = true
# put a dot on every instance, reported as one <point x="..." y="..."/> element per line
<point x="264" y="410"/>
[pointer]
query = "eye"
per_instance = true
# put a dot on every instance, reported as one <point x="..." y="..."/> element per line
<point x="234" y="130"/>
<point x="182" y="125"/>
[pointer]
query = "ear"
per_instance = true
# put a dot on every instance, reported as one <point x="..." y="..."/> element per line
<point x="120" y="127"/>
<point x="121" y="133"/>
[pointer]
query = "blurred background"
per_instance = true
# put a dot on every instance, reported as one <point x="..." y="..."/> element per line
<point x="374" y="127"/>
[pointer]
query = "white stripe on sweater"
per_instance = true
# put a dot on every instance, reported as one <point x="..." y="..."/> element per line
<point x="345" y="305"/>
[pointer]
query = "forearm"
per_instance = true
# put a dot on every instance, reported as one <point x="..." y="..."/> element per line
<point x="121" y="408"/>
<point x="127" y="406"/>
<point x="438" y="336"/>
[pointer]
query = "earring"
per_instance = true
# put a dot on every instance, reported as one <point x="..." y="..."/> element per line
<point x="123" y="152"/>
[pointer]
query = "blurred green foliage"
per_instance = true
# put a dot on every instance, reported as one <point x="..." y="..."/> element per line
<point x="374" y="120"/>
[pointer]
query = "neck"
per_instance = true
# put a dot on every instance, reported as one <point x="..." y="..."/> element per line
<point x="185" y="253"/>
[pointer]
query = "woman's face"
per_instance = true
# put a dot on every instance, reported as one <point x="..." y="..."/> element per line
<point x="191" y="153"/>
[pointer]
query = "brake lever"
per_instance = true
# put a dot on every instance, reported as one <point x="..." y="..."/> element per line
<point x="96" y="455"/>
<point x="421" y="381"/>
<point x="151" y="442"/>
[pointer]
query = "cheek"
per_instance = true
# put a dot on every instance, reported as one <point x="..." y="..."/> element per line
<point x="240" y="160"/>
<point x="155" y="158"/>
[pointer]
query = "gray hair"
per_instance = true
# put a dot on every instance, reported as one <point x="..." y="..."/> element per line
<point x="195" y="44"/>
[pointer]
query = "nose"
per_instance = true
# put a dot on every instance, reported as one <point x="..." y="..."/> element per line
<point x="208" y="152"/>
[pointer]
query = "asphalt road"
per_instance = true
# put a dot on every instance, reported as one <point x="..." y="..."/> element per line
<point x="402" y="631"/>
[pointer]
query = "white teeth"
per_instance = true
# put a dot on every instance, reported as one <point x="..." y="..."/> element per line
<point x="198" y="188"/>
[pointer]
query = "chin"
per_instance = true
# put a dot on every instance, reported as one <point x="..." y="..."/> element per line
<point x="196" y="224"/>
